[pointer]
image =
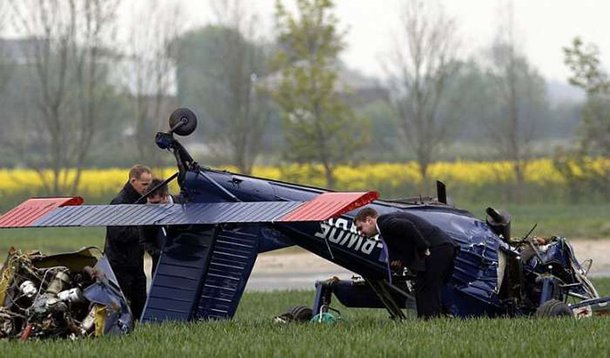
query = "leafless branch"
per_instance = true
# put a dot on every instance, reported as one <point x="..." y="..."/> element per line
<point x="69" y="40"/>
<point x="423" y="60"/>
<point x="150" y="63"/>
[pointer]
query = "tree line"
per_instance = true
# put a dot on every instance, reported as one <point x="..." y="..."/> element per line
<point x="75" y="96"/>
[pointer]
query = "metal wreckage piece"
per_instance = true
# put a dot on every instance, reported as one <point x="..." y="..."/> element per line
<point x="71" y="295"/>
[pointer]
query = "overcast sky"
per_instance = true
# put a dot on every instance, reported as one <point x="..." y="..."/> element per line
<point x="542" y="27"/>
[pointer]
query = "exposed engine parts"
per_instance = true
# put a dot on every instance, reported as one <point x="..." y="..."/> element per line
<point x="62" y="296"/>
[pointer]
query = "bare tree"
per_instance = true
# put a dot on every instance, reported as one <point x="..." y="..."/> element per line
<point x="423" y="62"/>
<point x="247" y="108"/>
<point x="521" y="93"/>
<point x="5" y="70"/>
<point x="69" y="39"/>
<point x="150" y="65"/>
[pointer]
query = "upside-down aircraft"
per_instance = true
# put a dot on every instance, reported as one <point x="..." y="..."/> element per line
<point x="227" y="219"/>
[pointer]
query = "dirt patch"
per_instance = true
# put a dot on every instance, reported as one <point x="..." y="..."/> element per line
<point x="305" y="262"/>
<point x="293" y="262"/>
<point x="598" y="251"/>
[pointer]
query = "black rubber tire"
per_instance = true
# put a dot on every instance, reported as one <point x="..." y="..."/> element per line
<point x="554" y="308"/>
<point x="189" y="118"/>
<point x="301" y="313"/>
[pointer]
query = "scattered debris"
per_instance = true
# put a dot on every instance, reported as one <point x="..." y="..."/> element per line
<point x="71" y="295"/>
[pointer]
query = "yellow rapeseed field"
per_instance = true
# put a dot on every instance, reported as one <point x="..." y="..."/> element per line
<point x="93" y="182"/>
<point x="103" y="182"/>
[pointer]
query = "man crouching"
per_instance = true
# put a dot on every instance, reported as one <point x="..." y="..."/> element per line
<point x="421" y="246"/>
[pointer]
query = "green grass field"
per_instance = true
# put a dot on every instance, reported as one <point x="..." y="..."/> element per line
<point x="360" y="333"/>
<point x="572" y="221"/>
<point x="51" y="240"/>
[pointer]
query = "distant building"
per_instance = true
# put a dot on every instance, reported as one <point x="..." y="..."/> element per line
<point x="20" y="51"/>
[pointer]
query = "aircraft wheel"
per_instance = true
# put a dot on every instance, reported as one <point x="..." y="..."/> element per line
<point x="295" y="314"/>
<point x="301" y="313"/>
<point x="554" y="308"/>
<point x="183" y="121"/>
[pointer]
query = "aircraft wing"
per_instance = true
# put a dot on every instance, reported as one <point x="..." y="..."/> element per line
<point x="64" y="212"/>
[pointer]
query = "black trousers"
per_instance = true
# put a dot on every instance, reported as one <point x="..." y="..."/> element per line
<point x="155" y="263"/>
<point x="429" y="283"/>
<point x="133" y="285"/>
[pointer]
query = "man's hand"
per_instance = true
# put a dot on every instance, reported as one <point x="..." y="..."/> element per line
<point x="396" y="265"/>
<point x="423" y="253"/>
<point x="539" y="240"/>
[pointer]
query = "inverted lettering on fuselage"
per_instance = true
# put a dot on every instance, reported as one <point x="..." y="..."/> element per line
<point x="344" y="233"/>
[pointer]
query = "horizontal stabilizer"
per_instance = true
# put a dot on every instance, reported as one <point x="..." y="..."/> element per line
<point x="322" y="207"/>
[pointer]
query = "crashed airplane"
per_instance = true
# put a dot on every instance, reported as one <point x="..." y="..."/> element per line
<point x="227" y="219"/>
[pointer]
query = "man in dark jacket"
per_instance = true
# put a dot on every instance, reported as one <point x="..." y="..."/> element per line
<point x="422" y="247"/>
<point x="122" y="246"/>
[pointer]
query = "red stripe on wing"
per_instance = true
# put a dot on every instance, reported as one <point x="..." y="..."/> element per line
<point x="330" y="205"/>
<point x="35" y="208"/>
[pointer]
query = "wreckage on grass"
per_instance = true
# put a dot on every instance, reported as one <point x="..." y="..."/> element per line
<point x="71" y="295"/>
<point x="227" y="219"/>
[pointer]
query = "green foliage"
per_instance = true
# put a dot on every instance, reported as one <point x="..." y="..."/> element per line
<point x="470" y="97"/>
<point x="385" y="144"/>
<point x="319" y="126"/>
<point x="595" y="129"/>
<point x="583" y="60"/>
<point x="587" y="73"/>
<point x="583" y="180"/>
